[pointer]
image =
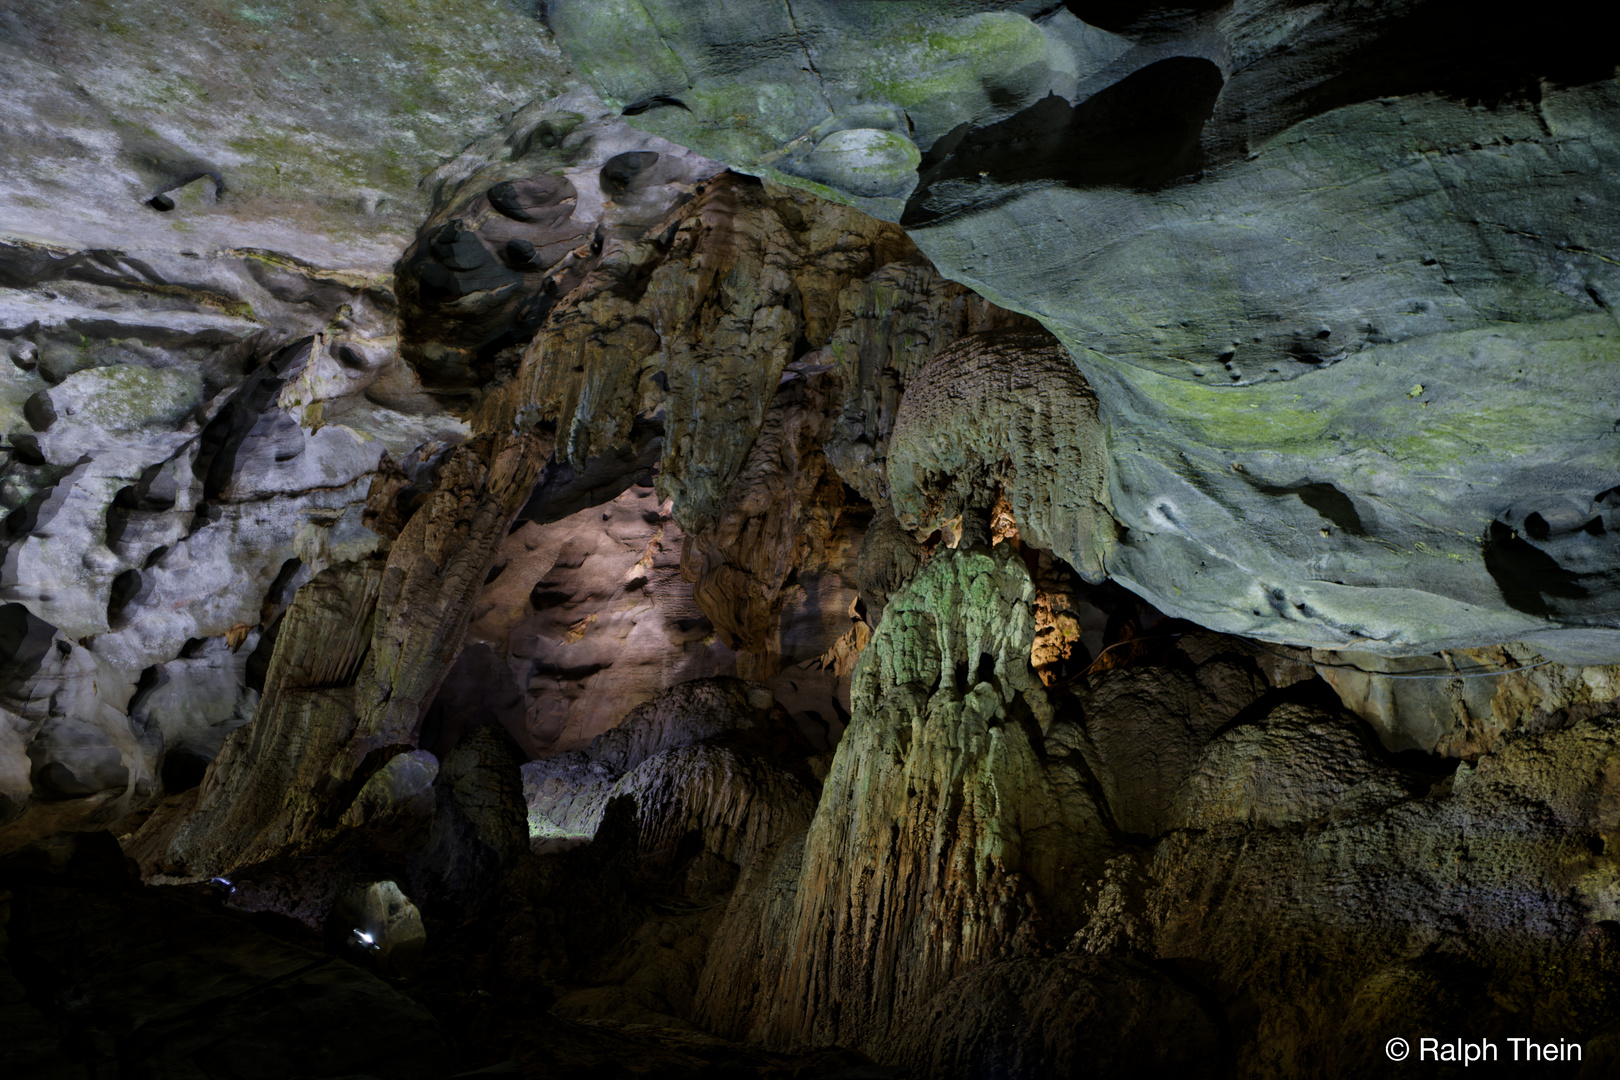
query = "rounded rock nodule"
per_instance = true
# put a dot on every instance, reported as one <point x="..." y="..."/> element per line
<point x="865" y="161"/>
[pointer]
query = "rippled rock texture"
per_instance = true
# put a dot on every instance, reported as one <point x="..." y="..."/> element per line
<point x="1341" y="277"/>
<point x="202" y="210"/>
<point x="543" y="563"/>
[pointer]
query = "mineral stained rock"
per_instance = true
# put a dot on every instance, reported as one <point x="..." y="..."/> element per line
<point x="571" y="538"/>
<point x="584" y="618"/>
<point x="1342" y="280"/>
<point x="945" y="835"/>
<point x="995" y="873"/>
<point x="671" y="336"/>
<point x="1005" y="417"/>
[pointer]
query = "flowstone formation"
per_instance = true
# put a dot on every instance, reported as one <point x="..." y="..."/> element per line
<point x="1342" y="278"/>
<point x="906" y="540"/>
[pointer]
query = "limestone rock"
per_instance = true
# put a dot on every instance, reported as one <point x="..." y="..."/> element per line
<point x="380" y="924"/>
<point x="890" y="556"/>
<point x="102" y="118"/>
<point x="737" y="806"/>
<point x="480" y="541"/>
<point x="821" y="79"/>
<point x="1068" y="630"/>
<point x="205" y="370"/>
<point x="1220" y="780"/>
<point x="714" y="757"/>
<point x="203" y="517"/>
<point x="445" y="550"/>
<point x="693" y="793"/>
<point x="1145" y="730"/>
<point x="783" y="521"/>
<point x="398" y="797"/>
<point x="1318" y="429"/>
<point x="1008" y="415"/>
<point x="641" y="351"/>
<point x="585" y="618"/>
<point x="1376" y="880"/>
<point x="497" y="254"/>
<point x="320" y="642"/>
<point x="1460" y="703"/>
<point x="869" y="162"/>
<point x="691" y="713"/>
<point x="941" y="810"/>
<point x="478" y="823"/>
<point x="1293" y="766"/>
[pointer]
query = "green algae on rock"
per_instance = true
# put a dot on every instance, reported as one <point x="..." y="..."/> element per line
<point x="1254" y="279"/>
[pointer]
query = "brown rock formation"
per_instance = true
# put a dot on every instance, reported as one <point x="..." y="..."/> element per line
<point x="649" y="829"/>
<point x="1073" y="1015"/>
<point x="1331" y="903"/>
<point x="362" y="703"/>
<point x="1297" y="881"/>
<point x="711" y="722"/>
<point x="1010" y="415"/>
<point x="584" y="618"/>
<point x="646" y="425"/>
<point x="1461" y="702"/>
<point x="713" y="300"/>
<point x="776" y="523"/>
<point x="1147" y="726"/>
<point x="946" y="836"/>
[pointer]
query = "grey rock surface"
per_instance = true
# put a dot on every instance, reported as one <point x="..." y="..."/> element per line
<point x="1341" y="279"/>
<point x="279" y="128"/>
<point x="1461" y="704"/>
<point x="201" y="376"/>
<point x="794" y="92"/>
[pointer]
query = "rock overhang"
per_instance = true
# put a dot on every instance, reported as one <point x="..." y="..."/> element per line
<point x="1343" y="292"/>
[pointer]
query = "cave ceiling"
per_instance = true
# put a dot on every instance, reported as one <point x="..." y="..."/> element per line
<point x="1341" y="278"/>
<point x="588" y="537"/>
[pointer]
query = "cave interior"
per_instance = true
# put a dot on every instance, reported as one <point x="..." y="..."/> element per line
<point x="539" y="538"/>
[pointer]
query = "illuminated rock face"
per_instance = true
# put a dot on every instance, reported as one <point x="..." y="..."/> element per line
<point x="201" y="214"/>
<point x="1340" y="278"/>
<point x="604" y="553"/>
<point x="996" y="874"/>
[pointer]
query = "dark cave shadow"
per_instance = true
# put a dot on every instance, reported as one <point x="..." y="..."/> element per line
<point x="1527" y="576"/>
<point x="25" y="638"/>
<point x="1446" y="47"/>
<point x="1160" y="124"/>
<point x="1124" y="16"/>
<point x="1329" y="502"/>
<point x="1141" y="132"/>
<point x="245" y="414"/>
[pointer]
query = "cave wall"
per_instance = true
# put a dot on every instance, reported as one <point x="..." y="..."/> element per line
<point x="1339" y="276"/>
<point x="1002" y="538"/>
